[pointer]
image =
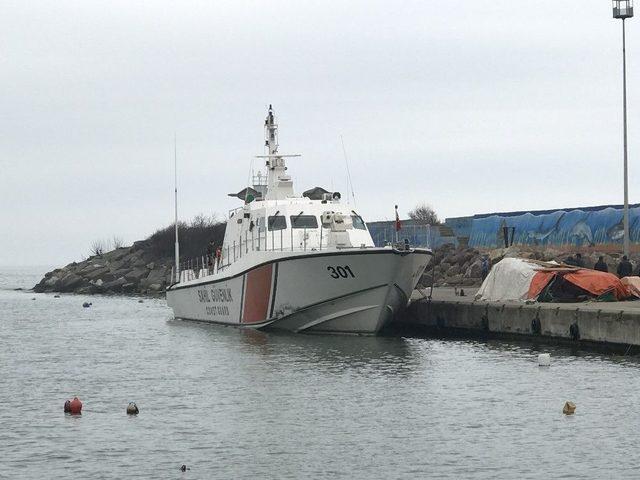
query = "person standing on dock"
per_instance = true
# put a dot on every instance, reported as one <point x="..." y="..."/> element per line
<point x="485" y="267"/>
<point x="624" y="268"/>
<point x="601" y="265"/>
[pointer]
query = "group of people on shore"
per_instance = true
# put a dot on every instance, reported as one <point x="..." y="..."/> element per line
<point x="625" y="267"/>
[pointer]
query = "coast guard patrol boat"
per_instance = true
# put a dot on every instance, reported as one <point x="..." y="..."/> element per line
<point x="299" y="263"/>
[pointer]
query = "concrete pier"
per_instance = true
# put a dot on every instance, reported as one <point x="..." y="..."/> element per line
<point x="603" y="323"/>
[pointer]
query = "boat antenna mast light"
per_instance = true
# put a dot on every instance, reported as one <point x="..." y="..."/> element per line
<point x="279" y="184"/>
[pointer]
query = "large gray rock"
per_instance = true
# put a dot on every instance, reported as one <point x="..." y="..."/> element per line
<point x="118" y="253"/>
<point x="70" y="282"/>
<point x="475" y="270"/>
<point x="96" y="273"/>
<point x="52" y="273"/>
<point x="453" y="270"/>
<point x="138" y="262"/>
<point x="496" y="255"/>
<point x="456" y="259"/>
<point x="115" y="285"/>
<point x="89" y="266"/>
<point x="90" y="289"/>
<point x="136" y="274"/>
<point x="120" y="272"/>
<point x="453" y="280"/>
<point x="51" y="281"/>
<point x="116" y="265"/>
<point x="157" y="276"/>
<point x="107" y="277"/>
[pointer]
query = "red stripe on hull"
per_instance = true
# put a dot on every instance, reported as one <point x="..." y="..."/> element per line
<point x="256" y="294"/>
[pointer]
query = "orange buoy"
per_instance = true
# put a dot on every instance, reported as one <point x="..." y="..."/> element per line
<point x="75" y="406"/>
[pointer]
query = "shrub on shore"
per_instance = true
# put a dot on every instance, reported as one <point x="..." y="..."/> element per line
<point x="193" y="237"/>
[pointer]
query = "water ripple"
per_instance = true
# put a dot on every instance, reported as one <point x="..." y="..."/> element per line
<point x="242" y="404"/>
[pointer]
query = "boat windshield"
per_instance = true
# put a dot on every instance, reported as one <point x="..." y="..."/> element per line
<point x="277" y="222"/>
<point x="304" y="221"/>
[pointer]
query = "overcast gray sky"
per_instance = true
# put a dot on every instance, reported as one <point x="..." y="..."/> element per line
<point x="472" y="105"/>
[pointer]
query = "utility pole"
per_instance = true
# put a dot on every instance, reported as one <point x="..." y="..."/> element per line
<point x="623" y="9"/>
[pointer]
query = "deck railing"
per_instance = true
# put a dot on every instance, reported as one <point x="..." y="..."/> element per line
<point x="258" y="240"/>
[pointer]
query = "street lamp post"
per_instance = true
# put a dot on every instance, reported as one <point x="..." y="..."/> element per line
<point x="623" y="9"/>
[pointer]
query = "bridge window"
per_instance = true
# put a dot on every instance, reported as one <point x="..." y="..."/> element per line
<point x="276" y="222"/>
<point x="304" y="221"/>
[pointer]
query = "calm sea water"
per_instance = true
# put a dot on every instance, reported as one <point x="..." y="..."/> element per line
<point x="232" y="403"/>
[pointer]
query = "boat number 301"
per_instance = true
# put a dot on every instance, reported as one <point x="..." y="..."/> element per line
<point x="340" y="272"/>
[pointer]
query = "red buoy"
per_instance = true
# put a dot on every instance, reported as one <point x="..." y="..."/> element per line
<point x="75" y="407"/>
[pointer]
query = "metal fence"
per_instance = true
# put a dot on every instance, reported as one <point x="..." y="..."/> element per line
<point x="259" y="239"/>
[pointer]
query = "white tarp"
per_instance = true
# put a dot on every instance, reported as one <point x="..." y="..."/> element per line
<point x="509" y="279"/>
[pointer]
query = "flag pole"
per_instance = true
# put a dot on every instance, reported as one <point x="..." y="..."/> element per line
<point x="397" y="224"/>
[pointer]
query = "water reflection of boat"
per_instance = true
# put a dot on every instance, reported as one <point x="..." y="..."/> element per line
<point x="384" y="354"/>
<point x="387" y="353"/>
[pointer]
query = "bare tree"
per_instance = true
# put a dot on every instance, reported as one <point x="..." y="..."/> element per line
<point x="97" y="247"/>
<point x="424" y="214"/>
<point x="204" y="221"/>
<point x="117" y="242"/>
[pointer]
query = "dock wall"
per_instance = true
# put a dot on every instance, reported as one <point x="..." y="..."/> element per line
<point x="587" y="323"/>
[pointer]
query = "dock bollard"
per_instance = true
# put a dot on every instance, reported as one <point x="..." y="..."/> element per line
<point x="132" y="409"/>
<point x="569" y="408"/>
<point x="544" y="360"/>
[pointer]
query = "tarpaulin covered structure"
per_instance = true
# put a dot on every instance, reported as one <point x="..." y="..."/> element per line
<point x="514" y="279"/>
<point x="509" y="279"/>
<point x="570" y="284"/>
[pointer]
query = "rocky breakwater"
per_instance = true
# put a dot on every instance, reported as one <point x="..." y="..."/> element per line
<point x="454" y="266"/>
<point x="462" y="266"/>
<point x="126" y="270"/>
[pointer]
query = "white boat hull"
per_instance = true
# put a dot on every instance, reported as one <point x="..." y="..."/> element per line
<point x="340" y="291"/>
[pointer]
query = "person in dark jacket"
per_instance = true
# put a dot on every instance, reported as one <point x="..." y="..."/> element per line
<point x="624" y="268"/>
<point x="601" y="265"/>
<point x="485" y="266"/>
<point x="579" y="260"/>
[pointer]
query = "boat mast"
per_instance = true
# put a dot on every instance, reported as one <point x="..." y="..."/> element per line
<point x="271" y="133"/>
<point x="279" y="184"/>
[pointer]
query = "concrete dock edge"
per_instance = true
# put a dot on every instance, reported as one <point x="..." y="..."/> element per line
<point x="616" y="323"/>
